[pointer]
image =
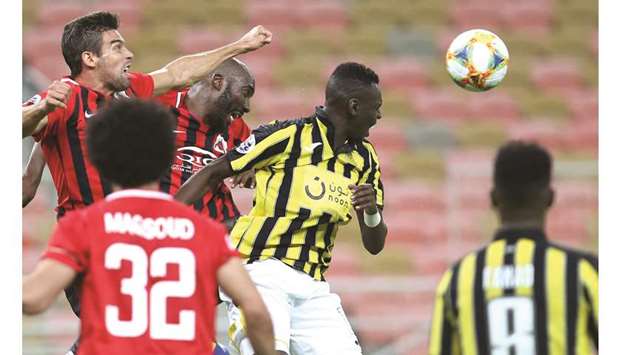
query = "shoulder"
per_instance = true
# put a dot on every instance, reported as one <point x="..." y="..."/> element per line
<point x="580" y="255"/>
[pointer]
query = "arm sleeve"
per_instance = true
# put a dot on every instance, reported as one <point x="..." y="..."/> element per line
<point x="68" y="243"/>
<point x="372" y="173"/>
<point x="443" y="339"/>
<point x="222" y="247"/>
<point x="588" y="274"/>
<point x="54" y="118"/>
<point x="141" y="85"/>
<point x="267" y="145"/>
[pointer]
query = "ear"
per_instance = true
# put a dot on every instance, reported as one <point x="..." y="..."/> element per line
<point x="89" y="59"/>
<point x="217" y="82"/>
<point x="353" y="106"/>
<point x="494" y="198"/>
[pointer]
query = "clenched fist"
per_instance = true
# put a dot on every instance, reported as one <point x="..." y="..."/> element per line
<point x="57" y="96"/>
<point x="255" y="38"/>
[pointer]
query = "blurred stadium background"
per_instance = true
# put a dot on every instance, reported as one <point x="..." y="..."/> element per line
<point x="436" y="141"/>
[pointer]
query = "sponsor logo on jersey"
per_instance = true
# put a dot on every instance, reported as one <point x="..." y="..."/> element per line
<point x="247" y="145"/>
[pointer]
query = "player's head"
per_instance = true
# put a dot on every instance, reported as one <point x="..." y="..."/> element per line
<point x="353" y="91"/>
<point x="522" y="181"/>
<point x="225" y="93"/>
<point x="131" y="142"/>
<point x="92" y="43"/>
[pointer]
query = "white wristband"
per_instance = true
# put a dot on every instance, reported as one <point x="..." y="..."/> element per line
<point x="372" y="220"/>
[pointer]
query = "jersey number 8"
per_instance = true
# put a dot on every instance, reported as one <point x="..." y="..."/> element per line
<point x="511" y="326"/>
<point x="148" y="309"/>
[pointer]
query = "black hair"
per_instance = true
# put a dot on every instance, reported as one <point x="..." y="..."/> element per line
<point x="347" y="79"/>
<point x="131" y="142"/>
<point x="84" y="34"/>
<point x="522" y="170"/>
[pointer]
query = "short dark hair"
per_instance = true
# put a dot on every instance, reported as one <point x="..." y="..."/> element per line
<point x="347" y="79"/>
<point x="521" y="169"/>
<point x="84" y="34"/>
<point x="131" y="142"/>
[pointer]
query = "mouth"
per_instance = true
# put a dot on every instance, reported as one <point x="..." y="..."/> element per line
<point x="126" y="67"/>
<point x="235" y="114"/>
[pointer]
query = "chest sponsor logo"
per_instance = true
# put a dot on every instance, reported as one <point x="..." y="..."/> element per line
<point x="194" y="158"/>
<point x="316" y="190"/>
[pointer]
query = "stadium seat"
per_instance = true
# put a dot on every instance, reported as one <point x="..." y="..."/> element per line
<point x="281" y="105"/>
<point x="531" y="17"/>
<point x="445" y="104"/>
<point x="41" y="42"/>
<point x="468" y="15"/>
<point x="58" y="13"/>
<point x="556" y="75"/>
<point x="415" y="227"/>
<point x="326" y="15"/>
<point x="494" y="106"/>
<point x="402" y="74"/>
<point x="345" y="261"/>
<point x="53" y="67"/>
<point x="544" y="131"/>
<point x="388" y="136"/>
<point x="410" y="196"/>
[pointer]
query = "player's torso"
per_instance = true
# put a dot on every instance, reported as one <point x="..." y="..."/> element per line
<point x="148" y="281"/>
<point x="77" y="181"/>
<point x="196" y="146"/>
<point x="520" y="294"/>
<point x="299" y="204"/>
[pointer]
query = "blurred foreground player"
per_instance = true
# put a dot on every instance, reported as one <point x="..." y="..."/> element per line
<point x="150" y="264"/>
<point x="520" y="294"/>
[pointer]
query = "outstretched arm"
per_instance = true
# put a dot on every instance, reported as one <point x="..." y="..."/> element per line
<point x="204" y="180"/>
<point x="370" y="217"/>
<point x="42" y="286"/>
<point x="31" y="178"/>
<point x="236" y="283"/>
<point x="188" y="69"/>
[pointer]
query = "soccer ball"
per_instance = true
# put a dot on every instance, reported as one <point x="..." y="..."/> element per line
<point x="477" y="60"/>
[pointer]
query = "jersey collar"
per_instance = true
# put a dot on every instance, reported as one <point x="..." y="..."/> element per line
<point x="522" y="232"/>
<point x="138" y="193"/>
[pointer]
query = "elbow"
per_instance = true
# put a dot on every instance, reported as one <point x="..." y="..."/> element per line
<point x="374" y="250"/>
<point x="32" y="305"/>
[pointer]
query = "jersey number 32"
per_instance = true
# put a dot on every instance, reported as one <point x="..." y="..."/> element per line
<point x="148" y="309"/>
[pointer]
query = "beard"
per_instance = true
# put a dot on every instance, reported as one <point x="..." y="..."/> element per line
<point x="219" y="117"/>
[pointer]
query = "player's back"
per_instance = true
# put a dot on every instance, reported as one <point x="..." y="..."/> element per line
<point x="150" y="266"/>
<point x="518" y="295"/>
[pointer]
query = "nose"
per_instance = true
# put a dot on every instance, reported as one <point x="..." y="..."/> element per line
<point x="129" y="53"/>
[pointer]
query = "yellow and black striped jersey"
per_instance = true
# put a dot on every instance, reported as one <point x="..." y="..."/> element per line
<point x="518" y="295"/>
<point x="302" y="192"/>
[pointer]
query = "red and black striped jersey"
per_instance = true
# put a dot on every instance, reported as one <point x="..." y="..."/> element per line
<point x="63" y="141"/>
<point x="197" y="145"/>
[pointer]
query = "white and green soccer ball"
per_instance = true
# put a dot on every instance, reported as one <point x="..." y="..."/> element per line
<point x="477" y="60"/>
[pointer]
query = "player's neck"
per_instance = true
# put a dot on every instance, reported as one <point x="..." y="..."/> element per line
<point x="197" y="110"/>
<point x="152" y="186"/>
<point x="340" y="126"/>
<point x="522" y="221"/>
<point x="89" y="80"/>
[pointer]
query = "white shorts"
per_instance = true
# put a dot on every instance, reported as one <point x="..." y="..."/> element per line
<point x="307" y="319"/>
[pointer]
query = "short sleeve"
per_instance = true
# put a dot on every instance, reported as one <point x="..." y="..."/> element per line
<point x="171" y="98"/>
<point x="372" y="173"/>
<point x="221" y="245"/>
<point x="266" y="145"/>
<point x="54" y="118"/>
<point x="141" y="85"/>
<point x="69" y="242"/>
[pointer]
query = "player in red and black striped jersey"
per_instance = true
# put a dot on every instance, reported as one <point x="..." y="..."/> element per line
<point x="208" y="124"/>
<point x="99" y="61"/>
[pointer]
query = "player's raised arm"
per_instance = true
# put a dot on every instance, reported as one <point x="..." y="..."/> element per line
<point x="31" y="178"/>
<point x="42" y="286"/>
<point x="236" y="283"/>
<point x="188" y="69"/>
<point x="33" y="113"/>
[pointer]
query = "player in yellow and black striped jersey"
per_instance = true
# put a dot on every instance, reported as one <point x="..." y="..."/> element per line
<point x="310" y="172"/>
<point x="520" y="294"/>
